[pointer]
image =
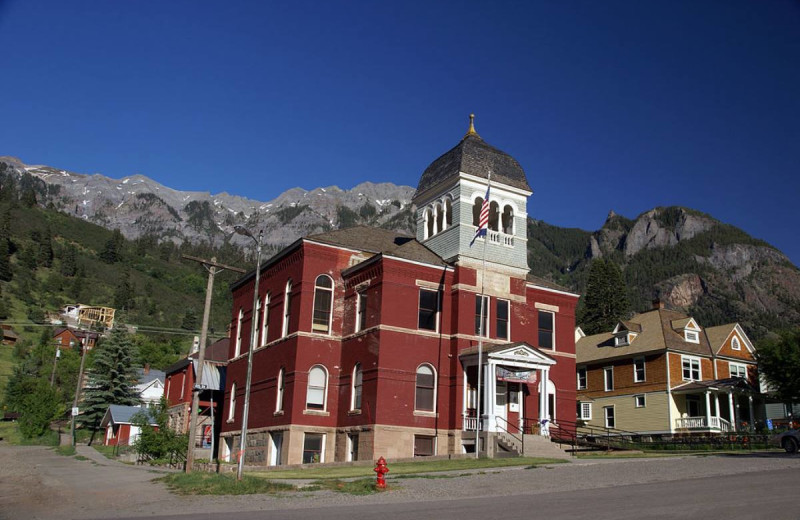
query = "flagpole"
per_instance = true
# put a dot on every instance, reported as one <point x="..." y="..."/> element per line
<point x="481" y="331"/>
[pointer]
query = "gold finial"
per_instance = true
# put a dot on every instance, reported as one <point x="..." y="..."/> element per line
<point x="471" y="130"/>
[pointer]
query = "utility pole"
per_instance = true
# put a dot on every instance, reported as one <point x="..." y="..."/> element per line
<point x="55" y="362"/>
<point x="77" y="391"/>
<point x="213" y="267"/>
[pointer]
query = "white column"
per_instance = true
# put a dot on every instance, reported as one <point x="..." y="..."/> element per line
<point x="489" y="383"/>
<point x="708" y="409"/>
<point x="544" y="373"/>
<point x="752" y="412"/>
<point x="732" y="412"/>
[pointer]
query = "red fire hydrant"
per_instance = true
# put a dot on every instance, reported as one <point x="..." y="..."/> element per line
<point x="381" y="470"/>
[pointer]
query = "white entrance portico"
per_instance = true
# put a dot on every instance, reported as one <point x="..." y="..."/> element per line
<point x="509" y="372"/>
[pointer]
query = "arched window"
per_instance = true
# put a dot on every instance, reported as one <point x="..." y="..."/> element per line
<point x="265" y="321"/>
<point x="287" y="308"/>
<point x="279" y="391"/>
<point x="317" y="385"/>
<point x="428" y="223"/>
<point x="735" y="345"/>
<point x="448" y="212"/>
<point x="355" y="402"/>
<point x="425" y="389"/>
<point x="494" y="216"/>
<point x="508" y="220"/>
<point x="476" y="211"/>
<point x="439" y="218"/>
<point x="323" y="303"/>
<point x="238" y="346"/>
<point x="232" y="403"/>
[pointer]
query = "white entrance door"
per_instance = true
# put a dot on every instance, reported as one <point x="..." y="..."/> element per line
<point x="501" y="405"/>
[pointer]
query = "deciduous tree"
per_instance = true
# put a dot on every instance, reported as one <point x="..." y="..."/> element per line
<point x="779" y="363"/>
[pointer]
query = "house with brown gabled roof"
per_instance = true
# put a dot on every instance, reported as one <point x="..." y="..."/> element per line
<point x="662" y="372"/>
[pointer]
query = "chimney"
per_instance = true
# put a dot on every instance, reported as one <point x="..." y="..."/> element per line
<point x="146" y="368"/>
<point x="657" y="304"/>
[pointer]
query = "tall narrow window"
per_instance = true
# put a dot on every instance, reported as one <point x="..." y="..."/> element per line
<point x="429" y="222"/>
<point x="608" y="411"/>
<point x="546" y="329"/>
<point x="476" y="211"/>
<point x="355" y="403"/>
<point x="608" y="378"/>
<point x="448" y="212"/>
<point x="482" y="310"/>
<point x="439" y="218"/>
<point x="428" y="309"/>
<point x="426" y="389"/>
<point x="238" y="346"/>
<point x="317" y="384"/>
<point x="494" y="215"/>
<point x="361" y="311"/>
<point x="232" y="403"/>
<point x="501" y="321"/>
<point x="279" y="390"/>
<point x="287" y="308"/>
<point x="581" y="378"/>
<point x="638" y="370"/>
<point x="265" y="321"/>
<point x="323" y="303"/>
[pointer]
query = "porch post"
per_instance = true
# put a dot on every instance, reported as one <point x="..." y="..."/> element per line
<point x="752" y="412"/>
<point x="708" y="409"/>
<point x="732" y="412"/>
<point x="490" y="383"/>
<point x="543" y="402"/>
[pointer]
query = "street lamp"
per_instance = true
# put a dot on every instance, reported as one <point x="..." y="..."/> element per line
<point x="253" y="338"/>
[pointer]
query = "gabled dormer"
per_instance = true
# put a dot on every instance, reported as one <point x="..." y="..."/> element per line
<point x="688" y="328"/>
<point x="625" y="332"/>
<point x="450" y="196"/>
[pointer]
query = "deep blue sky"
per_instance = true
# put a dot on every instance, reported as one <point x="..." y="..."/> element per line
<point x="622" y="105"/>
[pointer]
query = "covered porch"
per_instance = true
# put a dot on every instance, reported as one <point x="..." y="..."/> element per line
<point x="718" y="406"/>
<point x="515" y="395"/>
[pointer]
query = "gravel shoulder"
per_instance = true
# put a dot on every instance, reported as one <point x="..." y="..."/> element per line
<point x="35" y="482"/>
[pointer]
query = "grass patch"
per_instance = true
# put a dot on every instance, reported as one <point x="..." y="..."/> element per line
<point x="10" y="433"/>
<point x="217" y="484"/>
<point x="7" y="363"/>
<point x="403" y="468"/>
<point x="81" y="457"/>
<point x="65" y="450"/>
<point x="106" y="451"/>
<point x="364" y="486"/>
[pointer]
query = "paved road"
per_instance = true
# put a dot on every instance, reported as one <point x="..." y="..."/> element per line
<point x="37" y="483"/>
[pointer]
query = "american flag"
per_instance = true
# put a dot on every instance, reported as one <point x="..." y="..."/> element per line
<point x="483" y="220"/>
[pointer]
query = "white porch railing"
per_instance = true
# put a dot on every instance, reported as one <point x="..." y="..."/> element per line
<point x="695" y="423"/>
<point x="471" y="424"/>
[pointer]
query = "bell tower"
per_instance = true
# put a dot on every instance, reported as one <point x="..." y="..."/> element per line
<point x="449" y="197"/>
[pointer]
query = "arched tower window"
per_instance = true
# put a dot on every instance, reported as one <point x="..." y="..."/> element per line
<point x="494" y="210"/>
<point x="448" y="212"/>
<point x="476" y="211"/>
<point x="439" y="218"/>
<point x="508" y="220"/>
<point x="428" y="223"/>
<point x="323" y="303"/>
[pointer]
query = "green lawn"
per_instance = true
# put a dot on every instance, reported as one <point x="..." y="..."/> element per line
<point x="7" y="363"/>
<point x="401" y="468"/>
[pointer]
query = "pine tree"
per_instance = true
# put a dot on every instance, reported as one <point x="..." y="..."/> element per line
<point x="606" y="299"/>
<point x="69" y="261"/>
<point x="45" y="257"/>
<point x="112" y="377"/>
<point x="112" y="251"/>
<point x="123" y="295"/>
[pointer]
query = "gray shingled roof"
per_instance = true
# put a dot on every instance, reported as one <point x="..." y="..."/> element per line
<point x="476" y="157"/>
<point x="547" y="284"/>
<point x="120" y="414"/>
<point x="379" y="241"/>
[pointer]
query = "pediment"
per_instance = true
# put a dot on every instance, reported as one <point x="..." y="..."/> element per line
<point x="523" y="353"/>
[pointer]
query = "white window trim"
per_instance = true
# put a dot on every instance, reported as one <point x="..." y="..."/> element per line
<point x="644" y="369"/>
<point x="486" y="307"/>
<point x="238" y="345"/>
<point x="606" y="371"/>
<point x="736" y="344"/>
<point x="636" y="401"/>
<point x="742" y="366"/>
<point x="692" y="336"/>
<point x="265" y="320"/>
<point x="690" y="360"/>
<point x="279" y="390"/>
<point x="356" y="368"/>
<point x="435" y="389"/>
<point x="605" y="416"/>
<point x="232" y="403"/>
<point x="359" y="310"/>
<point x="621" y="341"/>
<point x="330" y="308"/>
<point x="586" y="407"/>
<point x="585" y="378"/>
<point x="322" y="445"/>
<point x="435" y="314"/>
<point x="286" y="308"/>
<point x="324" y="391"/>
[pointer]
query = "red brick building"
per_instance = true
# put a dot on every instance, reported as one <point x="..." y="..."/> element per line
<point x="368" y="340"/>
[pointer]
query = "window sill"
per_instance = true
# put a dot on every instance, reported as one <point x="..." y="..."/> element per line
<point x="321" y="413"/>
<point x="229" y="421"/>
<point x="357" y="411"/>
<point x="418" y="413"/>
<point x="278" y="413"/>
